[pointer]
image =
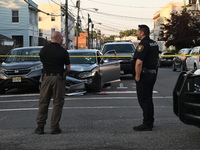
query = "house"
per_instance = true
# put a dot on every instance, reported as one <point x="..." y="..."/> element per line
<point x="55" y="21"/>
<point x="160" y="17"/>
<point x="19" y="22"/>
<point x="6" y="41"/>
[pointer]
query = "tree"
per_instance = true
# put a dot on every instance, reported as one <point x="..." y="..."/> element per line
<point x="182" y="29"/>
<point x="131" y="32"/>
<point x="109" y="39"/>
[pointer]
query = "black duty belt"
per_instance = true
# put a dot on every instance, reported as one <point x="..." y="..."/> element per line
<point x="148" y="71"/>
<point x="52" y="74"/>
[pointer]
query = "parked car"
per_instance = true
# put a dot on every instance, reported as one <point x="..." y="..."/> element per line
<point x="179" y="62"/>
<point x="186" y="96"/>
<point x="193" y="62"/>
<point x="22" y="68"/>
<point x="166" y="61"/>
<point x="124" y="50"/>
<point x="90" y="66"/>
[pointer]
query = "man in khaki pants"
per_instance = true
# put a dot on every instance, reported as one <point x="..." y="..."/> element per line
<point x="53" y="57"/>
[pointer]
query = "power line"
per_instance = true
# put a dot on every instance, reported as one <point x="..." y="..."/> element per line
<point x="122" y="5"/>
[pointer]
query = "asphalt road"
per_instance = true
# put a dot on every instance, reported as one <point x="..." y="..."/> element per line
<point x="101" y="121"/>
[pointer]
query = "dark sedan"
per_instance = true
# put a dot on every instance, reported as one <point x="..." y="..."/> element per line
<point x="165" y="59"/>
<point x="179" y="62"/>
<point x="90" y="66"/>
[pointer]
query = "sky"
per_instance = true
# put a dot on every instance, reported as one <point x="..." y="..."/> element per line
<point x="111" y="18"/>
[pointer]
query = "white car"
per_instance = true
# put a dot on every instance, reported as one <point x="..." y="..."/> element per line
<point x="193" y="62"/>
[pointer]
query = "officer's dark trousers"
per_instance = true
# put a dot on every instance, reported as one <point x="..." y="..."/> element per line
<point x="145" y="93"/>
<point x="52" y="86"/>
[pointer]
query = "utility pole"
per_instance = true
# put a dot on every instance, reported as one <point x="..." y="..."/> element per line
<point x="66" y="25"/>
<point x="92" y="35"/>
<point x="77" y="22"/>
<point x="88" y="30"/>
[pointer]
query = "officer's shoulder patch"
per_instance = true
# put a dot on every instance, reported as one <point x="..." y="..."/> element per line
<point x="140" y="48"/>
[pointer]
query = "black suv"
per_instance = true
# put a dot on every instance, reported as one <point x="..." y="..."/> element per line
<point x="22" y="68"/>
<point x="125" y="51"/>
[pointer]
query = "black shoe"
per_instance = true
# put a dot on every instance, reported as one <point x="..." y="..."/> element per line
<point x="142" y="127"/>
<point x="56" y="131"/>
<point x="39" y="130"/>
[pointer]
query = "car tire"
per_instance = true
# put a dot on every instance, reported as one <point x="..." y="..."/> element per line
<point x="173" y="67"/>
<point x="96" y="83"/>
<point x="2" y="91"/>
<point x="195" y="67"/>
<point x="183" y="67"/>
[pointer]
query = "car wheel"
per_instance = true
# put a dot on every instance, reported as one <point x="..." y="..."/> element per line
<point x="173" y="67"/>
<point x="96" y="83"/>
<point x="182" y="67"/>
<point x="195" y="67"/>
<point x="2" y="91"/>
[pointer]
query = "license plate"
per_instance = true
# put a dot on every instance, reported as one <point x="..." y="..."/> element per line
<point x="122" y="72"/>
<point x="16" y="79"/>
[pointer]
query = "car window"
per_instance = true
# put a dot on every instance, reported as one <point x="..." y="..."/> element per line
<point x="119" y="48"/>
<point x="12" y="58"/>
<point x="82" y="58"/>
<point x="26" y="55"/>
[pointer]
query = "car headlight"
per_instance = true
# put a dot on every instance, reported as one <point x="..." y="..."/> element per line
<point x="38" y="67"/>
<point x="86" y="74"/>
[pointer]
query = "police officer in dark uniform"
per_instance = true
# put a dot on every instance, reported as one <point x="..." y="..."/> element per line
<point x="53" y="57"/>
<point x="146" y="60"/>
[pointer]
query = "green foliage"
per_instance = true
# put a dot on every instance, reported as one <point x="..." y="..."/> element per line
<point x="131" y="32"/>
<point x="182" y="29"/>
<point x="109" y="39"/>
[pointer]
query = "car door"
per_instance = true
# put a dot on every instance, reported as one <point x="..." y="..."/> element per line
<point x="190" y="61"/>
<point x="109" y="70"/>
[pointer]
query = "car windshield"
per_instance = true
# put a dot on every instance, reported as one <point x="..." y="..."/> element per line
<point x="82" y="58"/>
<point x="23" y="55"/>
<point x="119" y="48"/>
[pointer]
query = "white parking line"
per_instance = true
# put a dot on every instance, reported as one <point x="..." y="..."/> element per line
<point x="67" y="108"/>
<point x="81" y="99"/>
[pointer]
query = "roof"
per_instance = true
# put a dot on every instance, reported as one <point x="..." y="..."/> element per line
<point x="83" y="50"/>
<point x="5" y="37"/>
<point x="117" y="43"/>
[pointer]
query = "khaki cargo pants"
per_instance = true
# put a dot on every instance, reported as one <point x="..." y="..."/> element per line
<point x="51" y="87"/>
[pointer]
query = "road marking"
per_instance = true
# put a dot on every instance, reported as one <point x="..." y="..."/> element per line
<point x="121" y="86"/>
<point x="91" y="98"/>
<point x="103" y="92"/>
<point x="67" y="108"/>
<point x="126" y="92"/>
<point x="3" y="118"/>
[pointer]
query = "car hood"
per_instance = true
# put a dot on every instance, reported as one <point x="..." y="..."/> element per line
<point x="82" y="67"/>
<point x="16" y="65"/>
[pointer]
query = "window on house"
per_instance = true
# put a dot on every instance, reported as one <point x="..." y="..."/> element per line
<point x="15" y="16"/>
<point x="40" y="33"/>
<point x="52" y="30"/>
<point x="53" y="18"/>
<point x="40" y="19"/>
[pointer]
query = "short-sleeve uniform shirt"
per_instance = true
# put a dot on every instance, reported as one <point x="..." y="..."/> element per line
<point x="147" y="51"/>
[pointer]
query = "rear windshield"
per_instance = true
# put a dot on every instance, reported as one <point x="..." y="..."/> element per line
<point x="119" y="48"/>
<point x="22" y="55"/>
<point x="169" y="54"/>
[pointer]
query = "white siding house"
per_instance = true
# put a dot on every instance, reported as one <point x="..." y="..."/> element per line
<point x="55" y="22"/>
<point x="19" y="22"/>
